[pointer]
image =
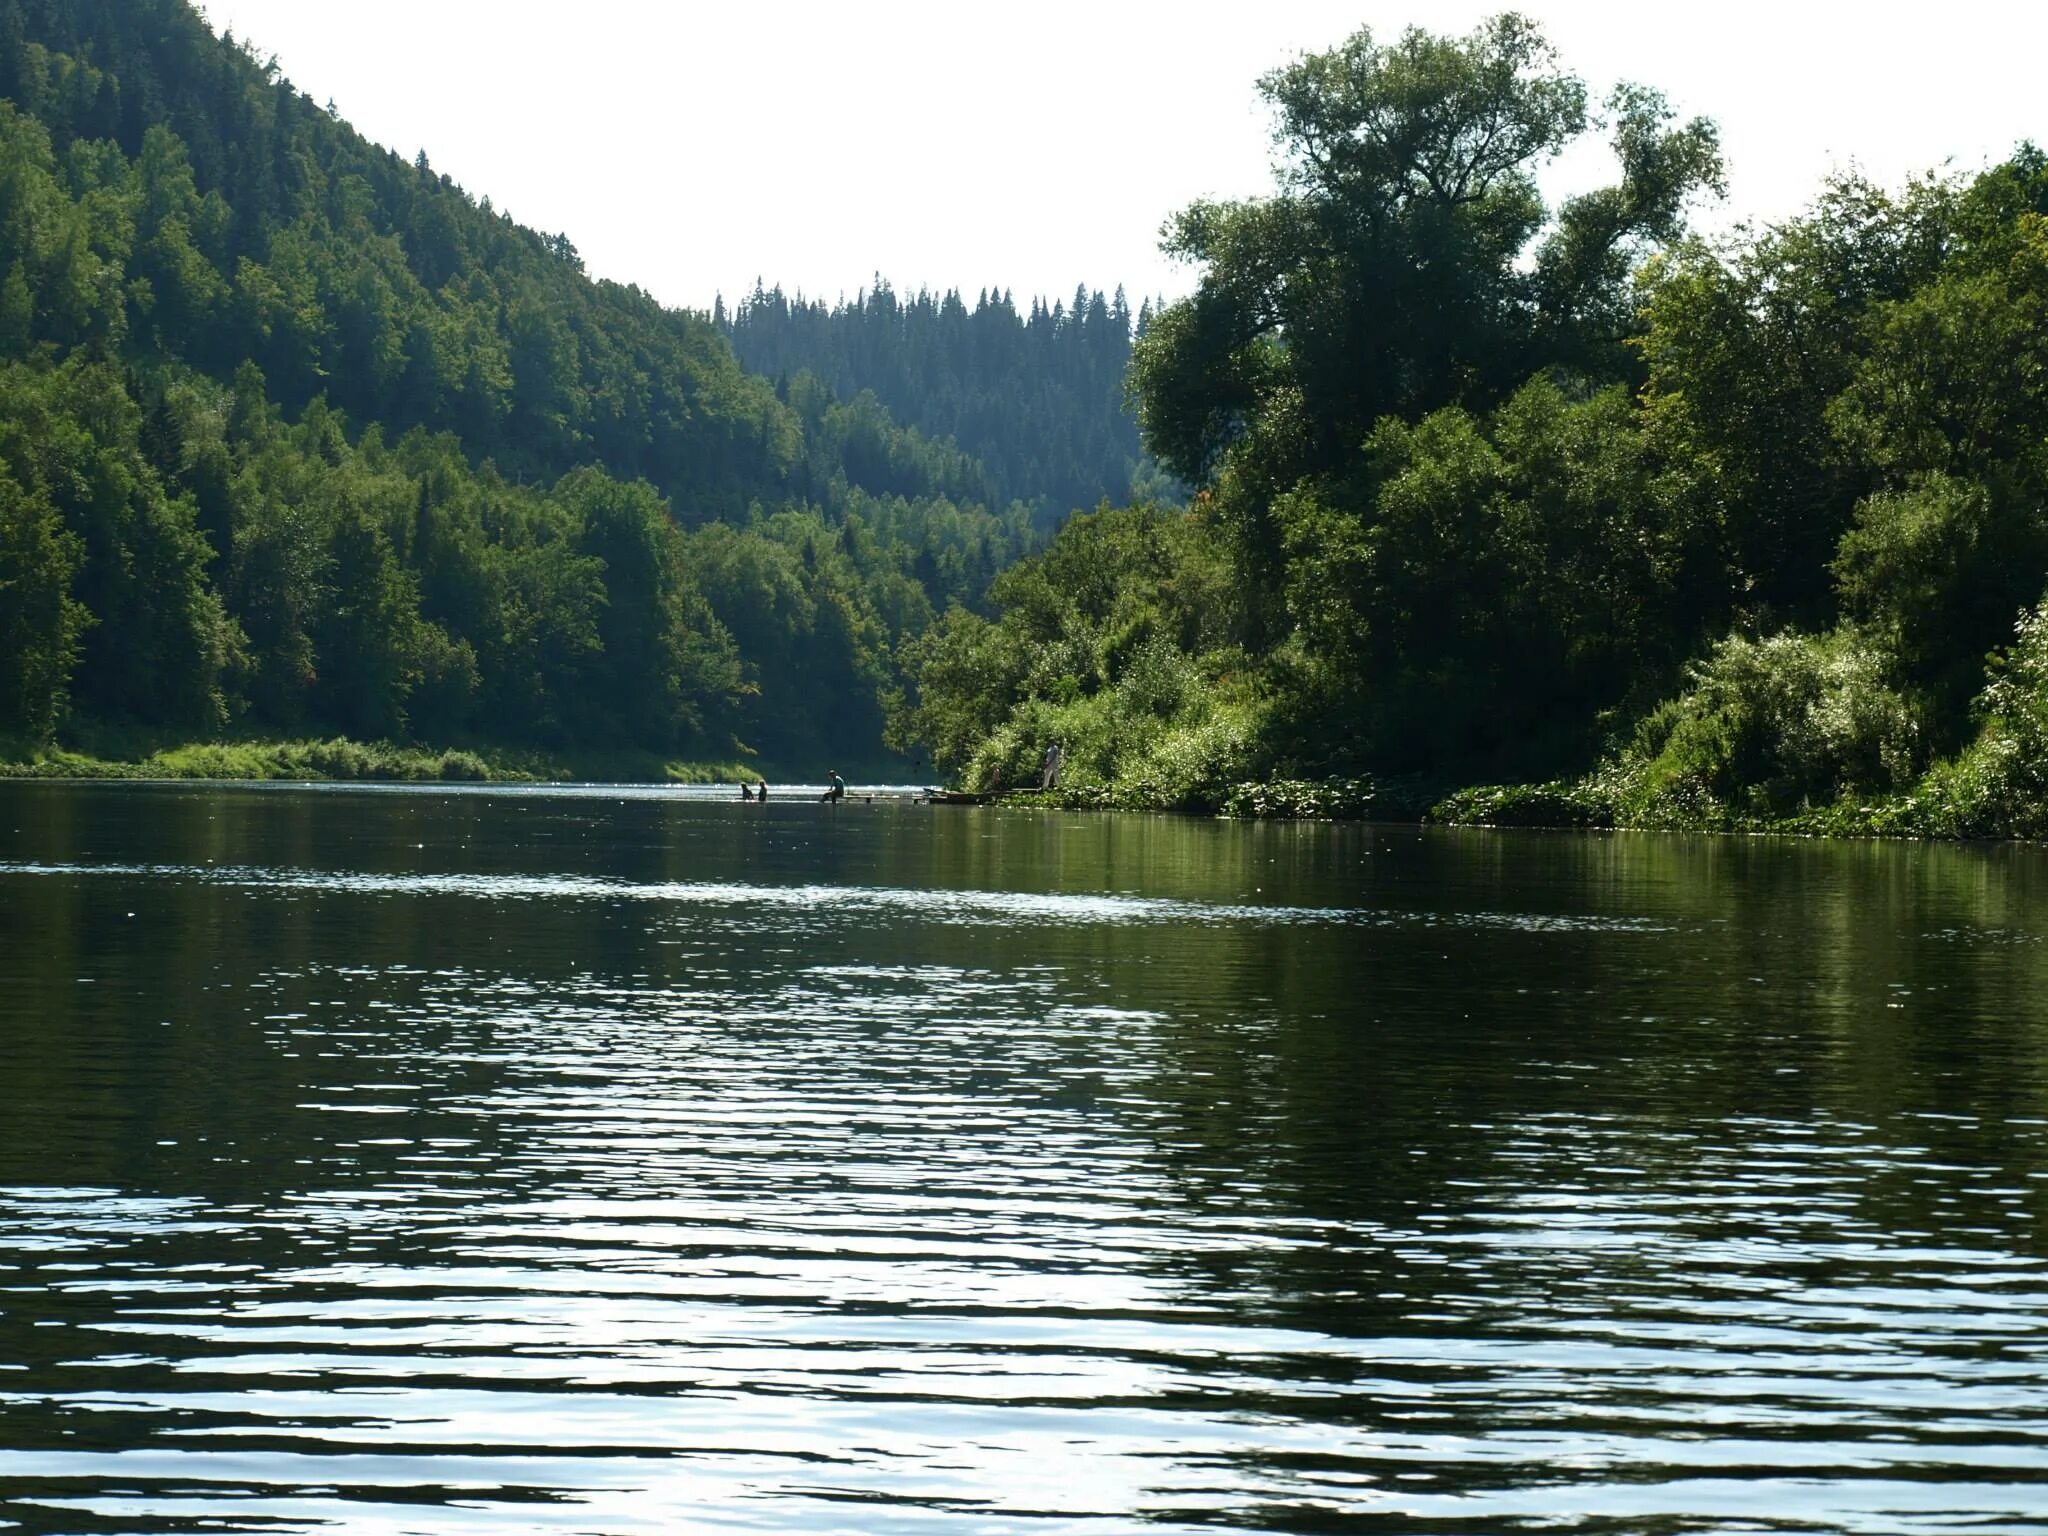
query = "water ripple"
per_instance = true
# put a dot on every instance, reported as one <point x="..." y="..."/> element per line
<point x="969" y="907"/>
<point x="841" y="1206"/>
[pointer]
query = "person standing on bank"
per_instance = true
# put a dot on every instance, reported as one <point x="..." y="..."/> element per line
<point x="1049" y="769"/>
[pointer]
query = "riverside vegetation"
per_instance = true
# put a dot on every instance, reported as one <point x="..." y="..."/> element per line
<point x="1641" y="529"/>
<point x="1429" y="483"/>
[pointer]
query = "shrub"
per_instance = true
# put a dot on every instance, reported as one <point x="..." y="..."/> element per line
<point x="1556" y="804"/>
<point x="1998" y="785"/>
<point x="1302" y="799"/>
<point x="1191" y="765"/>
<point x="1769" y="728"/>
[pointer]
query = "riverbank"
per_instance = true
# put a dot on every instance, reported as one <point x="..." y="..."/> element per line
<point x="1994" y="789"/>
<point x="1948" y="805"/>
<point x="344" y="760"/>
<point x="1953" y="803"/>
<point x="1355" y="799"/>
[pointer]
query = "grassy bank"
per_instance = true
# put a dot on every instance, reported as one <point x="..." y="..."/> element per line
<point x="111" y="755"/>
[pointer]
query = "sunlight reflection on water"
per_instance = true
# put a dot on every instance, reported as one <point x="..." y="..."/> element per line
<point x="350" y="1197"/>
<point x="951" y="906"/>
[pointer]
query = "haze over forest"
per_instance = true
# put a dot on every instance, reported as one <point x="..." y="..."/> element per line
<point x="1432" y="478"/>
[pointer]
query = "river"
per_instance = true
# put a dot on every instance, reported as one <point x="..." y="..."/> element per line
<point x="606" y="1161"/>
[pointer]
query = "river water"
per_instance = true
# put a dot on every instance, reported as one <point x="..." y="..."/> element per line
<point x="424" y="1160"/>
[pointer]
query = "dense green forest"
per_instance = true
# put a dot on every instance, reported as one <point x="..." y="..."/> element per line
<point x="1038" y="399"/>
<point x="1429" y="483"/>
<point x="1666" y="531"/>
<point x="296" y="436"/>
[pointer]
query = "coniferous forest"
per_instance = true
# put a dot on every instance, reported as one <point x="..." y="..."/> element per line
<point x="1431" y="482"/>
<point x="1038" y="399"/>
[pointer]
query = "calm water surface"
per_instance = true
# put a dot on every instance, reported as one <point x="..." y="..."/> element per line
<point x="429" y="1161"/>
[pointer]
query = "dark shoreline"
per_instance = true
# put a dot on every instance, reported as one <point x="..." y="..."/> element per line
<point x="1522" y="808"/>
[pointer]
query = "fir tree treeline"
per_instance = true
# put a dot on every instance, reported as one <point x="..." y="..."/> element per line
<point x="1494" y="490"/>
<point x="1037" y="398"/>
<point x="294" y="433"/>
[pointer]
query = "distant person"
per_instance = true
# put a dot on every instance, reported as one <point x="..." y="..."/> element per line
<point x="837" y="792"/>
<point x="1049" y="769"/>
<point x="746" y="790"/>
<point x="761" y="794"/>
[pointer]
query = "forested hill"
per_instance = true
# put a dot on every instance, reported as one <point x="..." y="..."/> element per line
<point x="1038" y="398"/>
<point x="263" y="229"/>
<point x="296" y="434"/>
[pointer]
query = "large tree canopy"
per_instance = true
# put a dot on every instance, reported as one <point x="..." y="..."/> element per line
<point x="1737" y="531"/>
<point x="1406" y="259"/>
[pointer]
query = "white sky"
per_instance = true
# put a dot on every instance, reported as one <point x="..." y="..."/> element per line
<point x="690" y="147"/>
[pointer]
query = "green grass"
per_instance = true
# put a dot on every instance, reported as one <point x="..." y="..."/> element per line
<point x="262" y="760"/>
<point x="114" y="753"/>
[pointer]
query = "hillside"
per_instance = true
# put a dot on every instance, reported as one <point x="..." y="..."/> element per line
<point x="1037" y="397"/>
<point x="297" y="435"/>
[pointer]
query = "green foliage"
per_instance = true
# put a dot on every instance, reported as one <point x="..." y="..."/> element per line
<point x="1106" y="642"/>
<point x="1303" y="799"/>
<point x="1555" y="804"/>
<point x="1998" y="785"/>
<point x="1487" y="480"/>
<point x="334" y="759"/>
<point x="305" y="438"/>
<point x="296" y="437"/>
<point x="1387" y="275"/>
<point x="1954" y="377"/>
<point x="367" y="638"/>
<point x="40" y="623"/>
<point x="1685" y="773"/>
<point x="964" y="676"/>
<point x="1034" y="402"/>
<point x="161" y="643"/>
<point x="1478" y="590"/>
<point x="1119" y="751"/>
<point x="1935" y="572"/>
<point x="1748" y="350"/>
<point x="662" y="657"/>
<point x="1769" y="727"/>
<point x="325" y="759"/>
<point x="129" y="753"/>
<point x="1423" y="559"/>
